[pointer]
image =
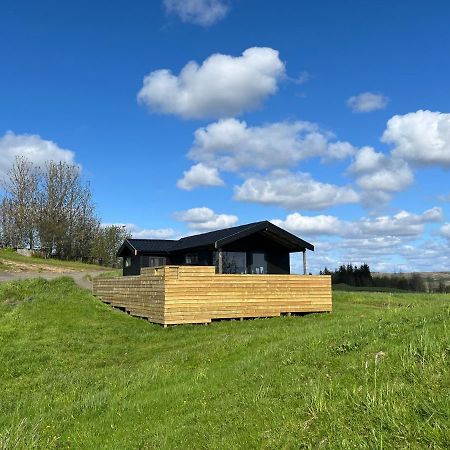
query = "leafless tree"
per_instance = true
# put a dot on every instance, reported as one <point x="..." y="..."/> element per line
<point x="19" y="205"/>
<point x="107" y="242"/>
<point x="67" y="222"/>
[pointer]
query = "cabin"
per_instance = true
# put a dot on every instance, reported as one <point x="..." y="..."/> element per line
<point x="235" y="273"/>
<point x="255" y="248"/>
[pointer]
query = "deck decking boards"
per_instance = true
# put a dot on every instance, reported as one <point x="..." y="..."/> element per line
<point x="172" y="295"/>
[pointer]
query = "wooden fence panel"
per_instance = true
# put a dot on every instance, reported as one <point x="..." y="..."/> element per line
<point x="196" y="294"/>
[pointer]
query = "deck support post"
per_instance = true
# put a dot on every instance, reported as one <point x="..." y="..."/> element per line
<point x="304" y="262"/>
<point x="220" y="261"/>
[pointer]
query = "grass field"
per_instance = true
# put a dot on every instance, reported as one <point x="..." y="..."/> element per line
<point x="349" y="288"/>
<point x="10" y="255"/>
<point x="75" y="373"/>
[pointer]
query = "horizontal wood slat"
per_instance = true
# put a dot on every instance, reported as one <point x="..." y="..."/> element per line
<point x="196" y="294"/>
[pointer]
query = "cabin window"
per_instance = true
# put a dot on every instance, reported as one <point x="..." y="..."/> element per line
<point x="258" y="263"/>
<point x="232" y="262"/>
<point x="156" y="262"/>
<point x="191" y="258"/>
<point x="128" y="262"/>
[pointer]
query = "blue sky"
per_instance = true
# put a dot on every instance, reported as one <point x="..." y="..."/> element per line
<point x="330" y="118"/>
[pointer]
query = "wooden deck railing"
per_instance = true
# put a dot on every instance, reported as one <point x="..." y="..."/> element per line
<point x="196" y="294"/>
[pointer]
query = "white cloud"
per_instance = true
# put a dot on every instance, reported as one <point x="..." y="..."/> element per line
<point x="311" y="225"/>
<point x="338" y="150"/>
<point x="231" y="145"/>
<point x="379" y="175"/>
<point x="32" y="147"/>
<point x="394" y="177"/>
<point x="221" y="86"/>
<point x="367" y="102"/>
<point x="445" y="230"/>
<point x="367" y="160"/>
<point x="387" y="243"/>
<point x="205" y="219"/>
<point x="422" y="137"/>
<point x="144" y="233"/>
<point x="200" y="175"/>
<point x="427" y="256"/>
<point x="293" y="190"/>
<point x="198" y="12"/>
<point x="402" y="224"/>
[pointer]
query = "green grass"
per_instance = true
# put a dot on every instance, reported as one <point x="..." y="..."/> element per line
<point x="7" y="254"/>
<point x="111" y="273"/>
<point x="75" y="373"/>
<point x="349" y="288"/>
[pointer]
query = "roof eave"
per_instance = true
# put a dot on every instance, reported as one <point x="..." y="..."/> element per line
<point x="295" y="240"/>
<point x="126" y="244"/>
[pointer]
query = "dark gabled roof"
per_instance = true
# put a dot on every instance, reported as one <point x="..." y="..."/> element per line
<point x="152" y="245"/>
<point x="217" y="239"/>
<point x="146" y="246"/>
<point x="210" y="238"/>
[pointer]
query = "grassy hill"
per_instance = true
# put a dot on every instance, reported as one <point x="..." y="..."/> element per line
<point x="75" y="373"/>
<point x="12" y="261"/>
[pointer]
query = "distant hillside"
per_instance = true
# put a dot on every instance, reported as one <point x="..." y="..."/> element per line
<point x="11" y="261"/>
<point x="431" y="279"/>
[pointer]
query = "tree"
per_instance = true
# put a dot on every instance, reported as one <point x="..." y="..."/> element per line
<point x="107" y="242"/>
<point x="67" y="222"/>
<point x="50" y="208"/>
<point x="19" y="206"/>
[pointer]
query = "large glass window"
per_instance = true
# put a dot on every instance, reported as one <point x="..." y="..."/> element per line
<point x="232" y="262"/>
<point x="191" y="258"/>
<point x="257" y="263"/>
<point x="154" y="261"/>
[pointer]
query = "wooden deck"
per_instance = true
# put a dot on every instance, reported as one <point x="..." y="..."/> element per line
<point x="172" y="295"/>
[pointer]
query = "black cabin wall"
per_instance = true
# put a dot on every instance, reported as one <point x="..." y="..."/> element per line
<point x="276" y="255"/>
<point x="278" y="263"/>
<point x="205" y="257"/>
<point x="139" y="261"/>
<point x="134" y="268"/>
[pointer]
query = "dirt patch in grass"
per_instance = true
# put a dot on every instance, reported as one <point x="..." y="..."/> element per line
<point x="14" y="302"/>
<point x="17" y="267"/>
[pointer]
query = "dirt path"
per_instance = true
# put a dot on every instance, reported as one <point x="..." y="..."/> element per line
<point x="80" y="278"/>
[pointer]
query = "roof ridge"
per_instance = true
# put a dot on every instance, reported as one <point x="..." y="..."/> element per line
<point x="251" y="224"/>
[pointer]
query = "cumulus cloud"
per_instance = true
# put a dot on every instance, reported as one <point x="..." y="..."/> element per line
<point x="311" y="225"/>
<point x="385" y="242"/>
<point x="32" y="147"/>
<point x="392" y="254"/>
<point x="138" y="232"/>
<point x="367" y="102"/>
<point x="198" y="12"/>
<point x="379" y="175"/>
<point x="232" y="145"/>
<point x="421" y="137"/>
<point x="205" y="219"/>
<point x="402" y="224"/>
<point x="293" y="191"/>
<point x="200" y="175"/>
<point x="221" y="86"/>
<point x="427" y="256"/>
<point x="445" y="230"/>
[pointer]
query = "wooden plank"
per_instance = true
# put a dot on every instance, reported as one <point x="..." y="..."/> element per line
<point x="195" y="294"/>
